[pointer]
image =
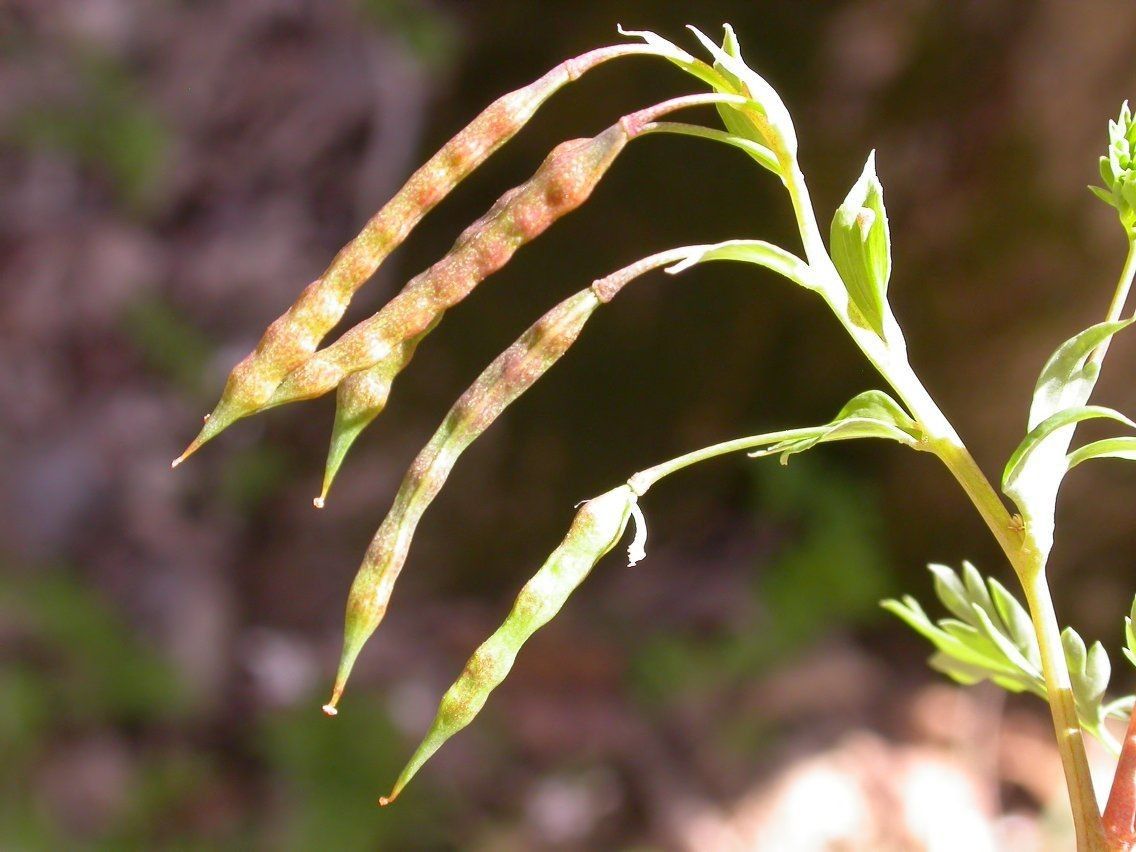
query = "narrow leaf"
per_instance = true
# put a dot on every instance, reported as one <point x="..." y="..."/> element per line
<point x="1098" y="670"/>
<point x="1065" y="417"/>
<point x="757" y="252"/>
<point x="1109" y="448"/>
<point x="1068" y="376"/>
<point x="1005" y="645"/>
<point x="770" y="118"/>
<point x="872" y="414"/>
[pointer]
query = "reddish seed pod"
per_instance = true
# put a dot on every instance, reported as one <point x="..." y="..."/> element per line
<point x="358" y="401"/>
<point x="296" y="334"/>
<point x="510" y="375"/>
<point x="562" y="183"/>
<point x="569" y="174"/>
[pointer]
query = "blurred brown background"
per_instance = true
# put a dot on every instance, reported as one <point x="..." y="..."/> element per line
<point x="173" y="173"/>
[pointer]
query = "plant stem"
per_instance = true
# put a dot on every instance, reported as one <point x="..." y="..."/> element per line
<point x="888" y="355"/>
<point x="1116" y="308"/>
<point x="643" y="480"/>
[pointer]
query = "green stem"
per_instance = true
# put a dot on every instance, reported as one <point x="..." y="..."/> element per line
<point x="889" y="357"/>
<point x="644" y="479"/>
<point x="1116" y="308"/>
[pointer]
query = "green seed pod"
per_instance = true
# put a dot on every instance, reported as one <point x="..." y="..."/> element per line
<point x="511" y="374"/>
<point x="358" y="401"/>
<point x="598" y="526"/>
<point x="294" y="335"/>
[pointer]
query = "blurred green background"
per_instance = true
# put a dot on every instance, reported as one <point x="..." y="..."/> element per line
<point x="173" y="173"/>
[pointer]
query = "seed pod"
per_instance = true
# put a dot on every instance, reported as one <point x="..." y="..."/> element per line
<point x="562" y="183"/>
<point x="294" y="335"/>
<point x="598" y="525"/>
<point x="362" y="395"/>
<point x="511" y="374"/>
<point x="360" y="398"/>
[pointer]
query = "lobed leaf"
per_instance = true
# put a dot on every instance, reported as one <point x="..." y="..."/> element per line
<point x="992" y="639"/>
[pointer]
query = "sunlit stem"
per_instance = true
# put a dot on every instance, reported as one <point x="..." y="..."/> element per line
<point x="1119" y="298"/>
<point x="889" y="357"/>
<point x="643" y="480"/>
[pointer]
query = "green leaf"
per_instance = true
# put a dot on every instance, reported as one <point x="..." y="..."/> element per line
<point x="992" y="639"/>
<point x="762" y="155"/>
<point x="860" y="244"/>
<point x="1067" y="417"/>
<point x="1017" y="622"/>
<point x="952" y="592"/>
<point x="1103" y="194"/>
<point x="1005" y="644"/>
<point x="1098" y="670"/>
<point x="757" y="252"/>
<point x="1075" y="652"/>
<point x="770" y="121"/>
<point x="737" y="121"/>
<point x="679" y="57"/>
<point x="872" y="414"/>
<point x="976" y="587"/>
<point x="1109" y="448"/>
<point x="1068" y="376"/>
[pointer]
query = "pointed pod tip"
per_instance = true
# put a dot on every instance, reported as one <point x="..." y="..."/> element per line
<point x="386" y="800"/>
<point x="193" y="447"/>
<point x="330" y="710"/>
<point x="319" y="501"/>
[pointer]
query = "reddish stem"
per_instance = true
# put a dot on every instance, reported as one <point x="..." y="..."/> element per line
<point x="1120" y="812"/>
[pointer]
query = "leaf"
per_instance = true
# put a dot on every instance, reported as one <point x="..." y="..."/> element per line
<point x="952" y="592"/>
<point x="1029" y="445"/>
<point x="872" y="414"/>
<point x="1103" y="194"/>
<point x="976" y="587"/>
<point x="676" y="55"/>
<point x="757" y="252"/>
<point x="1017" y="621"/>
<point x="860" y="244"/>
<point x="1098" y="670"/>
<point x="762" y="155"/>
<point x="992" y="639"/>
<point x="1109" y="448"/>
<point x="770" y="120"/>
<point x="1005" y="644"/>
<point x="1068" y="376"/>
<point x="736" y="120"/>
